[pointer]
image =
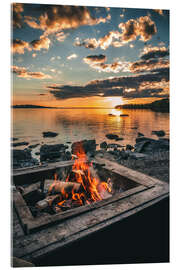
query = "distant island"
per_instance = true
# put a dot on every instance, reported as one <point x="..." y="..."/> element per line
<point x="157" y="106"/>
<point x="30" y="106"/>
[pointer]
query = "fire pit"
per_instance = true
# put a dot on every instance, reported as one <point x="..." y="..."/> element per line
<point x="69" y="200"/>
<point x="75" y="189"/>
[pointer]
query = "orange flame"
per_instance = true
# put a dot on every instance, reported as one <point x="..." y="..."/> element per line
<point x="93" y="187"/>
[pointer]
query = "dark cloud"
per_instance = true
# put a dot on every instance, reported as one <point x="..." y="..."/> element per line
<point x="91" y="59"/>
<point x="148" y="65"/>
<point x="143" y="27"/>
<point x="56" y="18"/>
<point x="119" y="86"/>
<point x="154" y="52"/>
<point x="17" y="9"/>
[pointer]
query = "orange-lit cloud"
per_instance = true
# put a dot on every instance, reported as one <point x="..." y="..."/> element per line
<point x="148" y="65"/>
<point x="97" y="62"/>
<point x="39" y="44"/>
<point x="17" y="9"/>
<point x="154" y="52"/>
<point x="57" y="18"/>
<point x="61" y="36"/>
<point x="19" y="46"/>
<point x="159" y="11"/>
<point x="72" y="56"/>
<point x="143" y="27"/>
<point x="23" y="73"/>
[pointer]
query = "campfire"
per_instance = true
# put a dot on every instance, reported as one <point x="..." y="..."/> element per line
<point x="77" y="186"/>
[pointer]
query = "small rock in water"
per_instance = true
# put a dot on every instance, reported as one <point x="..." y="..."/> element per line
<point x="140" y="134"/>
<point x="112" y="136"/>
<point x="14" y="139"/>
<point x="33" y="146"/>
<point x="19" y="144"/>
<point x="159" y="133"/>
<point x="119" y="139"/>
<point x="123" y="115"/>
<point x="49" y="134"/>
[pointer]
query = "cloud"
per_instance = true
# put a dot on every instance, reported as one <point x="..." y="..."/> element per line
<point x="129" y="30"/>
<point x="94" y="59"/>
<point x="39" y="44"/>
<point x="143" y="27"/>
<point x="90" y="43"/>
<point x="17" y="9"/>
<point x="154" y="52"/>
<point x="143" y="85"/>
<point x="61" y="36"/>
<point x="23" y="73"/>
<point x="98" y="62"/>
<point x="19" y="46"/>
<point x="148" y="65"/>
<point x="159" y="11"/>
<point x="72" y="56"/>
<point x="103" y="42"/>
<point x="57" y="18"/>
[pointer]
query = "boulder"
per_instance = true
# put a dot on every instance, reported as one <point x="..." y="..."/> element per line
<point x="112" y="136"/>
<point x="21" y="155"/>
<point x="140" y="134"/>
<point x="151" y="146"/>
<point x="114" y="145"/>
<point x="141" y="139"/>
<point x="103" y="145"/>
<point x="159" y="133"/>
<point x="49" y="134"/>
<point x="51" y="152"/>
<point x="23" y="158"/>
<point x="129" y="147"/>
<point x="88" y="146"/>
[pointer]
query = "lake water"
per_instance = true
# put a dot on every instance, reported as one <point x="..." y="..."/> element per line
<point x="78" y="124"/>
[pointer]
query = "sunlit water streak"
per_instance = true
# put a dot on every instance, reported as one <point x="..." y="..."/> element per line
<point x="78" y="124"/>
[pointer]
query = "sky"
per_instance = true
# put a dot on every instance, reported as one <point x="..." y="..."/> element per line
<point x="74" y="56"/>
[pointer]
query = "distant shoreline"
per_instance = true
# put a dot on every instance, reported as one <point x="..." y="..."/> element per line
<point x="46" y="107"/>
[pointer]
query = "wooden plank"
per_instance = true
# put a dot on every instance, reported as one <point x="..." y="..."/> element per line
<point x="77" y="227"/>
<point x="138" y="177"/>
<point x="40" y="222"/>
<point x="22" y="210"/>
<point x="29" y="175"/>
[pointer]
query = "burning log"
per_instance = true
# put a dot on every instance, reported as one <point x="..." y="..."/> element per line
<point x="48" y="201"/>
<point x="56" y="187"/>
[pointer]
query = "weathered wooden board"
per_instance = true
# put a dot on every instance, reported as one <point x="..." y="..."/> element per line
<point x="138" y="177"/>
<point x="91" y="218"/>
<point x="31" y="246"/>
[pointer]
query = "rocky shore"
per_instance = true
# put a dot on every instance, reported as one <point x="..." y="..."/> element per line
<point x="150" y="156"/>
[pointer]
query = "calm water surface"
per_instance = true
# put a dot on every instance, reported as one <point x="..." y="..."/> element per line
<point x="78" y="124"/>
